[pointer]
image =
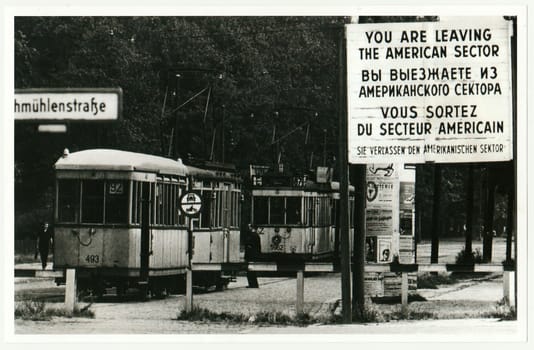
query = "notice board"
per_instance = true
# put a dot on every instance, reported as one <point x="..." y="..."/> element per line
<point x="430" y="91"/>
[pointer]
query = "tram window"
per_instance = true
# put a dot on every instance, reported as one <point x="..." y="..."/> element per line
<point x="174" y="188"/>
<point x="311" y="212"/>
<point x="166" y="204"/>
<point x="238" y="209"/>
<point x="293" y="209"/>
<point x="170" y="205"/>
<point x="277" y="211"/>
<point x="220" y="208"/>
<point x="216" y="207"/>
<point x="351" y="208"/>
<point x="205" y="213"/>
<point x="235" y="209"/>
<point x="159" y="204"/>
<point x="116" y="202"/>
<point x="152" y="203"/>
<point x="92" y="201"/>
<point x="181" y="216"/>
<point x="227" y="206"/>
<point x="327" y="211"/>
<point x="333" y="212"/>
<point x="320" y="211"/>
<point x="261" y="211"/>
<point x="68" y="200"/>
<point x="135" y="202"/>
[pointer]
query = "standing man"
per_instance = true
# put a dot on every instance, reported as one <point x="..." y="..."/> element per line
<point x="44" y="242"/>
<point x="252" y="249"/>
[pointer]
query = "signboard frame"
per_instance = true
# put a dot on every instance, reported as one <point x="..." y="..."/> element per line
<point x="108" y="90"/>
<point x="428" y="145"/>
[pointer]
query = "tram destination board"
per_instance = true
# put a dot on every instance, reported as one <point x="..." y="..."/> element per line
<point x="430" y="91"/>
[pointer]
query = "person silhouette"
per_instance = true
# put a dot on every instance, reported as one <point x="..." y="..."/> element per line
<point x="45" y="239"/>
<point x="385" y="255"/>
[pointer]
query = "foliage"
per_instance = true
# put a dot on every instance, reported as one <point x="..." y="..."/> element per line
<point x="262" y="317"/>
<point x="251" y="66"/>
<point x="201" y="314"/>
<point x="429" y="280"/>
<point x="474" y="258"/>
<point x="37" y="311"/>
<point x="261" y="78"/>
<point x="370" y="313"/>
<point x="504" y="311"/>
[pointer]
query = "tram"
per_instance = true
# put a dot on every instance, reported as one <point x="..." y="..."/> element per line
<point x="117" y="220"/>
<point x="294" y="216"/>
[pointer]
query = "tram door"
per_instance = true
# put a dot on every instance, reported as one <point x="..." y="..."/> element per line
<point x="221" y="239"/>
<point x="91" y="239"/>
<point x="145" y="231"/>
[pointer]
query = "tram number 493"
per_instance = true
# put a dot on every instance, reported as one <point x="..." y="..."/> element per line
<point x="92" y="259"/>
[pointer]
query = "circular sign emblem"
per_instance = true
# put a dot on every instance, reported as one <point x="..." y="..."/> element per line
<point x="190" y="204"/>
<point x="372" y="191"/>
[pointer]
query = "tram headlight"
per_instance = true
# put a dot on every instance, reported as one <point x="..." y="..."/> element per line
<point x="276" y="240"/>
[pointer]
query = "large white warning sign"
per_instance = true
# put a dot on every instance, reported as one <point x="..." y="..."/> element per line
<point x="430" y="91"/>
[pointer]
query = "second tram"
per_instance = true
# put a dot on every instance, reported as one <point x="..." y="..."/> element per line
<point x="295" y="216"/>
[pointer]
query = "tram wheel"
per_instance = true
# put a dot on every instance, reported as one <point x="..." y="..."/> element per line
<point x="121" y="290"/>
<point x="144" y="292"/>
<point x="159" y="292"/>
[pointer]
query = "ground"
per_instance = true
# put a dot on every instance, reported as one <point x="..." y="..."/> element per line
<point x="275" y="294"/>
<point x="463" y="308"/>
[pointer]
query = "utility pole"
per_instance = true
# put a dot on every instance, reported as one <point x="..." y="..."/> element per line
<point x="222" y="132"/>
<point x="434" y="253"/>
<point x="344" y="218"/>
<point x="469" y="213"/>
<point x="487" y="240"/>
<point x="324" y="147"/>
<point x="358" y="273"/>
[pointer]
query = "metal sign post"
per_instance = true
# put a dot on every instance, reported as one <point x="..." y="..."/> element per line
<point x="344" y="221"/>
<point x="190" y="205"/>
<point x="189" y="270"/>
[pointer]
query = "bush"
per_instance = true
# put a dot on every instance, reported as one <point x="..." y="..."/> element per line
<point x="474" y="258"/>
<point x="429" y="280"/>
<point x="504" y="312"/>
<point x="201" y="314"/>
<point x="31" y="310"/>
<point x="370" y="314"/>
<point x="262" y="317"/>
<point x="37" y="311"/>
<point x="408" y="314"/>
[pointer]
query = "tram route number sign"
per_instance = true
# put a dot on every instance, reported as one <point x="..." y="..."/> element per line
<point x="190" y="204"/>
<point x="430" y="91"/>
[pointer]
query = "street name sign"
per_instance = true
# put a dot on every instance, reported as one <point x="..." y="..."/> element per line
<point x="52" y="105"/>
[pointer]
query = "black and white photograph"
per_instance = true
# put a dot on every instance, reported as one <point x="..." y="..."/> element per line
<point x="355" y="173"/>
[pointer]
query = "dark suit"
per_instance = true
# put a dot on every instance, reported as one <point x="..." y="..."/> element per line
<point x="44" y="239"/>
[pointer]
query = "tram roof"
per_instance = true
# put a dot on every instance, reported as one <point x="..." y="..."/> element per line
<point x="108" y="159"/>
